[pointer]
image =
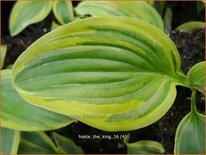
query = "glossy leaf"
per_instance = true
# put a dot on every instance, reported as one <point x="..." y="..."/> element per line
<point x="196" y="76"/>
<point x="9" y="141"/>
<point x="3" y="54"/>
<point x="66" y="145"/>
<point x="112" y="73"/>
<point x="63" y="11"/>
<point x="190" y="26"/>
<point x="25" y="13"/>
<point x="21" y="115"/>
<point x="190" y="134"/>
<point x="189" y="137"/>
<point x="36" y="143"/>
<point x="138" y="9"/>
<point x="145" y="147"/>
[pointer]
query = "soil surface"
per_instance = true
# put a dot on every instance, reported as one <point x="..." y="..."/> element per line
<point x="191" y="49"/>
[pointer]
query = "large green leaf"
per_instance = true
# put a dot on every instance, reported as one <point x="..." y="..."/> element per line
<point x="26" y="13"/>
<point x="113" y="73"/>
<point x="36" y="143"/>
<point x="63" y="10"/>
<point x="66" y="145"/>
<point x="138" y="9"/>
<point x="21" y="115"/>
<point x="145" y="147"/>
<point x="9" y="141"/>
<point x="3" y="55"/>
<point x="196" y="76"/>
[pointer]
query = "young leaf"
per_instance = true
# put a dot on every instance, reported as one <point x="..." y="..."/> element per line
<point x="168" y="20"/>
<point x="190" y="134"/>
<point x="25" y="13"/>
<point x="66" y="144"/>
<point x="9" y="141"/>
<point x="196" y="76"/>
<point x="63" y="11"/>
<point x="3" y="55"/>
<point x="144" y="147"/>
<point x="138" y="9"/>
<point x="190" y="26"/>
<point x="36" y="143"/>
<point x="112" y="73"/>
<point x="21" y="115"/>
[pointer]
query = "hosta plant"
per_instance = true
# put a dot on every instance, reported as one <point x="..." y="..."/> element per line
<point x="25" y="13"/>
<point x="112" y="73"/>
<point x="113" y="68"/>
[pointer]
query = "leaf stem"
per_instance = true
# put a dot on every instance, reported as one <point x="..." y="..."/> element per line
<point x="193" y="101"/>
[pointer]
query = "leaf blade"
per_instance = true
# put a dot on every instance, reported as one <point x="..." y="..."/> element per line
<point x="10" y="141"/>
<point x="145" y="147"/>
<point x="21" y="115"/>
<point x="63" y="11"/>
<point x="196" y="76"/>
<point x="140" y="10"/>
<point x="26" y="13"/>
<point x="192" y="124"/>
<point x="114" y="82"/>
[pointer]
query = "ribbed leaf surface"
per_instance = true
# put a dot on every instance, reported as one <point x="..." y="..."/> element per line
<point x="113" y="73"/>
<point x="137" y="9"/>
<point x="21" y="115"/>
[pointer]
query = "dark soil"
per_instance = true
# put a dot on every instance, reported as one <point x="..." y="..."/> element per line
<point x="191" y="48"/>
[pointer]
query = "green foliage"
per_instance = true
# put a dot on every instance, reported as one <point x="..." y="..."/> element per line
<point x="36" y="143"/>
<point x="168" y="20"/>
<point x="63" y="11"/>
<point x="54" y="26"/>
<point x="40" y="143"/>
<point x="109" y="63"/>
<point x="3" y="55"/>
<point x="196" y="76"/>
<point x="9" y="141"/>
<point x="138" y="9"/>
<point x="144" y="147"/>
<point x="190" y="134"/>
<point x="66" y="144"/>
<point x="190" y="26"/>
<point x="26" y="13"/>
<point x="21" y="115"/>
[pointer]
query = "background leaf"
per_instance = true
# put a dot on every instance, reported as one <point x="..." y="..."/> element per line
<point x="190" y="135"/>
<point x="196" y="76"/>
<point x="25" y="13"/>
<point x="190" y="26"/>
<point x="144" y="147"/>
<point x="63" y="11"/>
<point x="3" y="54"/>
<point x="102" y="66"/>
<point x="168" y="20"/>
<point x="66" y="144"/>
<point x="21" y="115"/>
<point x="36" y="143"/>
<point x="9" y="141"/>
<point x="138" y="9"/>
